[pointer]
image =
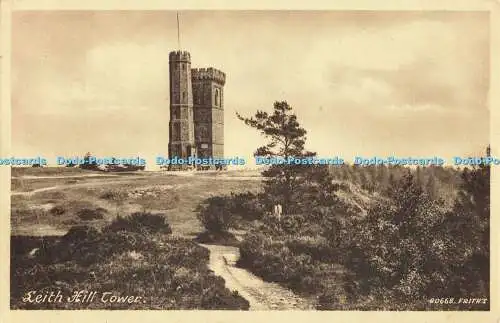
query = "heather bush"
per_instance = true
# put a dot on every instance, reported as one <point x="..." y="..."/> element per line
<point x="167" y="272"/>
<point x="316" y="247"/>
<point x="218" y="214"/>
<point x="58" y="210"/>
<point x="292" y="263"/>
<point x="221" y="238"/>
<point x="140" y="222"/>
<point x="113" y="195"/>
<point x="215" y="214"/>
<point x="248" y="206"/>
<point x="88" y="214"/>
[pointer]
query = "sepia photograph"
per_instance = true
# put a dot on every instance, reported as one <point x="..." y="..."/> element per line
<point x="250" y="160"/>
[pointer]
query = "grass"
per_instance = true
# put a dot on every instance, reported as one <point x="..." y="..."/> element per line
<point x="49" y="197"/>
<point x="169" y="272"/>
<point x="50" y="171"/>
<point x="175" y="196"/>
<point x="55" y="214"/>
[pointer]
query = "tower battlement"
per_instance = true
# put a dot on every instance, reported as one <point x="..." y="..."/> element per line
<point x="180" y="56"/>
<point x="209" y="73"/>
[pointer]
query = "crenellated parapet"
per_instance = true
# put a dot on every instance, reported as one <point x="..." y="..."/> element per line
<point x="198" y="74"/>
<point x="180" y="56"/>
<point x="196" y="126"/>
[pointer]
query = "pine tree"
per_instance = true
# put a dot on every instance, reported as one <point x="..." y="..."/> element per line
<point x="431" y="187"/>
<point x="363" y="179"/>
<point x="382" y="178"/>
<point x="391" y="184"/>
<point x="419" y="176"/>
<point x="286" y="183"/>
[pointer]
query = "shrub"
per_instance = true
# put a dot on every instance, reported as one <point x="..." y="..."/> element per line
<point x="88" y="214"/>
<point x="57" y="210"/>
<point x="290" y="224"/>
<point x="140" y="222"/>
<point x="80" y="233"/>
<point x="113" y="195"/>
<point x="316" y="248"/>
<point x="247" y="205"/>
<point x="215" y="214"/>
<point x="332" y="299"/>
<point x="220" y="238"/>
<point x="276" y="262"/>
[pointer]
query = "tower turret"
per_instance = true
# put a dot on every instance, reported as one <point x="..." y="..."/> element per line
<point x="181" y="125"/>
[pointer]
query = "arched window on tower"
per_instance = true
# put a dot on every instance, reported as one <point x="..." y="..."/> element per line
<point x="217" y="99"/>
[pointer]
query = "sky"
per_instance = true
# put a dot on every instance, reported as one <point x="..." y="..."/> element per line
<point x="361" y="83"/>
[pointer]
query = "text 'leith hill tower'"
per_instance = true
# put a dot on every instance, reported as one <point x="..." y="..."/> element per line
<point x="196" y="109"/>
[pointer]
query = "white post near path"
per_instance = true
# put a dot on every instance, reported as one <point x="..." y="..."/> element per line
<point x="278" y="210"/>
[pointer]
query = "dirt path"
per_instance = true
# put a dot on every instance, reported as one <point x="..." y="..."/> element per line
<point x="73" y="185"/>
<point x="261" y="295"/>
<point x="123" y="179"/>
<point x="63" y="176"/>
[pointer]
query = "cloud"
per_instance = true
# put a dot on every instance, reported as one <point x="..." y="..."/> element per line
<point x="408" y="108"/>
<point x="129" y="70"/>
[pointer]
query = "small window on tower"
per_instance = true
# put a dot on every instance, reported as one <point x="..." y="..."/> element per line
<point x="183" y="96"/>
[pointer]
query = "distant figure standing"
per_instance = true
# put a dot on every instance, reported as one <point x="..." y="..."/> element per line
<point x="278" y="211"/>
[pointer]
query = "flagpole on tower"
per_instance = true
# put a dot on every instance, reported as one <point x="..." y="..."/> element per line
<point x="178" y="32"/>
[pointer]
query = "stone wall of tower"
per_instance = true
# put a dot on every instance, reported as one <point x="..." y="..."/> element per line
<point x="181" y="125"/>
<point x="208" y="102"/>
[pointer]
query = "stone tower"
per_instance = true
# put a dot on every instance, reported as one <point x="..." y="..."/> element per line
<point x="208" y="95"/>
<point x="181" y="135"/>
